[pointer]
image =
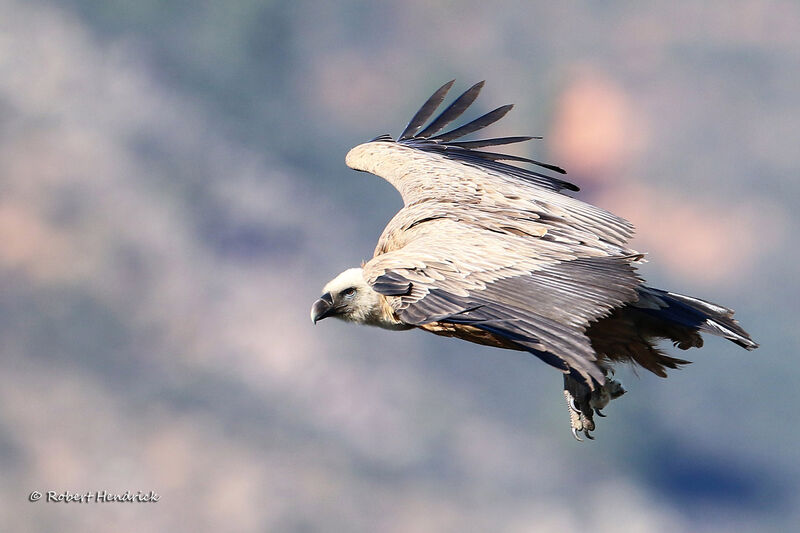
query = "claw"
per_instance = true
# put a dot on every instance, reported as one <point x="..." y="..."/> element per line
<point x="588" y="435"/>
<point x="573" y="406"/>
<point x="575" y="434"/>
<point x="599" y="413"/>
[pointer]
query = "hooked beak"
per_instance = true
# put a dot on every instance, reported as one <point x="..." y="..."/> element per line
<point x="322" y="308"/>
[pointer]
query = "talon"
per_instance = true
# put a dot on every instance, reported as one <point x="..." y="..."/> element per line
<point x="575" y="434"/>
<point x="588" y="435"/>
<point x="573" y="406"/>
<point x="599" y="413"/>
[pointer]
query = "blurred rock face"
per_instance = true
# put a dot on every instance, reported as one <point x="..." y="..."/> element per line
<point x="156" y="264"/>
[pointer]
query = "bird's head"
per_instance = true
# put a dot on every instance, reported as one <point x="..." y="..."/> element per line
<point x="348" y="297"/>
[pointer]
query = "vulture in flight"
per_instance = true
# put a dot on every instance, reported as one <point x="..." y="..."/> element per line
<point x="497" y="254"/>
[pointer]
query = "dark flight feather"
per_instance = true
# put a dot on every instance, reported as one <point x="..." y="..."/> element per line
<point x="479" y="123"/>
<point x="426" y="111"/>
<point x="448" y="145"/>
<point x="452" y="112"/>
<point x="469" y="145"/>
<point x="495" y="156"/>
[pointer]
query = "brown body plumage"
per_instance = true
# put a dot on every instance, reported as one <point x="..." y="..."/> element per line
<point x="498" y="255"/>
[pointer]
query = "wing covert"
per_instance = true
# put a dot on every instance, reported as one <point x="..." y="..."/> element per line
<point x="544" y="305"/>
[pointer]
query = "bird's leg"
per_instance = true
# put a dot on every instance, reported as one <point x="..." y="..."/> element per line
<point x="584" y="403"/>
<point x="578" y="396"/>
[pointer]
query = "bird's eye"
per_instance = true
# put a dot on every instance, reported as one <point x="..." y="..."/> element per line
<point x="349" y="292"/>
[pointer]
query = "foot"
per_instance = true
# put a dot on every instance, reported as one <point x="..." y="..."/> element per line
<point x="579" y="420"/>
<point x="602" y="396"/>
<point x="584" y="403"/>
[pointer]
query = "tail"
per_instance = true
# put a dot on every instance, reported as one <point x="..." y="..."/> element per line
<point x="630" y="333"/>
<point x="693" y="313"/>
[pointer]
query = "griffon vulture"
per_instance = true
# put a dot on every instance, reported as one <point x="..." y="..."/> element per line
<point x="499" y="255"/>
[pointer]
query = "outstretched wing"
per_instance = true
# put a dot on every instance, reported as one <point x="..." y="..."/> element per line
<point x="487" y="245"/>
<point x="425" y="167"/>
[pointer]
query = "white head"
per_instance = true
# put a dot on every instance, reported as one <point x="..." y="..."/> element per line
<point x="348" y="297"/>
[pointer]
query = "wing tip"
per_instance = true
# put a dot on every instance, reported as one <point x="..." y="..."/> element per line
<point x="426" y="139"/>
<point x="425" y="112"/>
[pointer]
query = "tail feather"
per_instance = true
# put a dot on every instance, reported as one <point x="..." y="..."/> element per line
<point x="630" y="333"/>
<point x="694" y="313"/>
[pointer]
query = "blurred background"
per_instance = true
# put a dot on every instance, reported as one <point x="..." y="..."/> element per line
<point x="173" y="196"/>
